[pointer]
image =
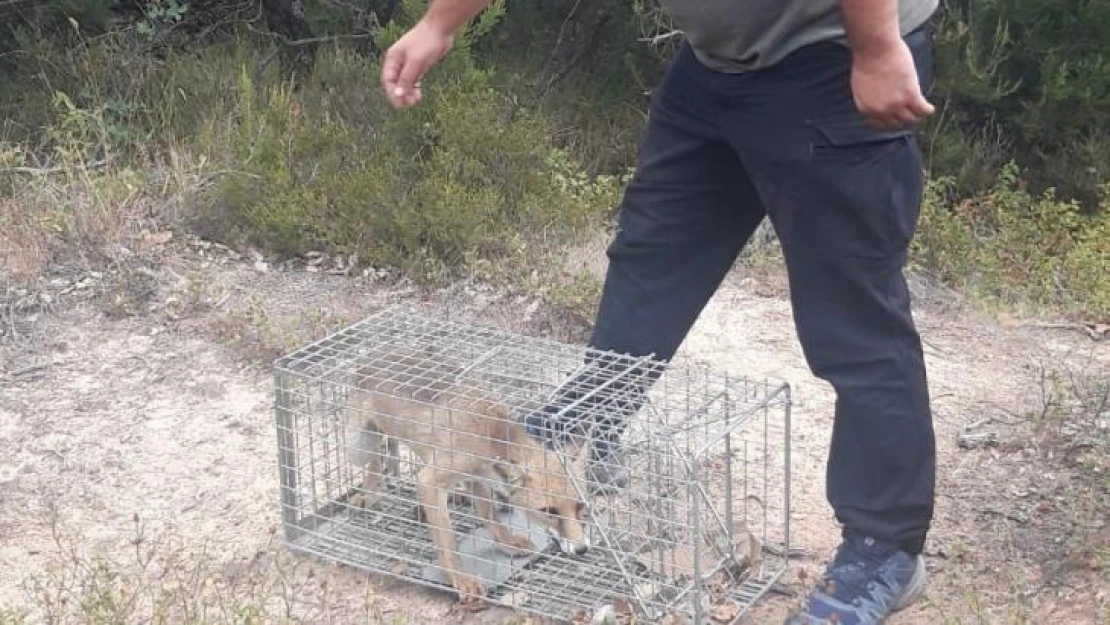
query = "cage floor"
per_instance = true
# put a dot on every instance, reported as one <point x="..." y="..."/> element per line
<point x="387" y="537"/>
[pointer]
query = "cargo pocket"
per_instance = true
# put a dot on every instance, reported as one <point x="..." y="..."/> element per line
<point x="868" y="184"/>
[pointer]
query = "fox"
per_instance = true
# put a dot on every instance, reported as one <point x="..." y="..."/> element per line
<point x="464" y="437"/>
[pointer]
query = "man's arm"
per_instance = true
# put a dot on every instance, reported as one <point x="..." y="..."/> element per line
<point x="872" y="25"/>
<point x="448" y="16"/>
<point x="884" y="79"/>
<point x="423" y="46"/>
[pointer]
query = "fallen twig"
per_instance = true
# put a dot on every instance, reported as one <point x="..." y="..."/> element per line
<point x="308" y="40"/>
<point x="661" y="38"/>
<point x="780" y="588"/>
<point x="18" y="373"/>
<point x="45" y="171"/>
<point x="1094" y="331"/>
<point x="795" y="552"/>
<point x="936" y="553"/>
<point x="1021" y="520"/>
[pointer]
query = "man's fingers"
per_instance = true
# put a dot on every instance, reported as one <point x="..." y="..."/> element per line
<point x="407" y="61"/>
<point x="899" y="114"/>
<point x="412" y="97"/>
<point x="395" y="67"/>
<point x="409" y="77"/>
<point x="914" y="112"/>
<point x="886" y="122"/>
<point x="391" y="70"/>
<point x="879" y="117"/>
<point x="391" y="66"/>
<point x="921" y="107"/>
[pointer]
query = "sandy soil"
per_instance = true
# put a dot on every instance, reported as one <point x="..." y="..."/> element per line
<point x="106" y="416"/>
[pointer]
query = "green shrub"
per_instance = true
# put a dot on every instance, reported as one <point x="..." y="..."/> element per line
<point x="466" y="176"/>
<point x="1035" y="73"/>
<point x="1013" y="247"/>
<point x="583" y="65"/>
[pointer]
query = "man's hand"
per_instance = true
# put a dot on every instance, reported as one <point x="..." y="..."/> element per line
<point x="885" y="87"/>
<point x="409" y="59"/>
<point x="418" y="50"/>
<point x="884" y="79"/>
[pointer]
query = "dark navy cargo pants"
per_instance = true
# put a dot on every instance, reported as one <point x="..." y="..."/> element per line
<point x="721" y="152"/>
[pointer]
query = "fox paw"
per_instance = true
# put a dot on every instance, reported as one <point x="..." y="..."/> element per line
<point x="470" y="589"/>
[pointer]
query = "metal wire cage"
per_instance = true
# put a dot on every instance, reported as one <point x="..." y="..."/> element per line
<point x="404" y="425"/>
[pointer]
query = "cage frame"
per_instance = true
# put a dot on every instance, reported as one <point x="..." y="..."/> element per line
<point x="297" y="524"/>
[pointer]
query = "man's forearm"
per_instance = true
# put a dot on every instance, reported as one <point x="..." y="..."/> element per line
<point x="872" y="25"/>
<point x="447" y="16"/>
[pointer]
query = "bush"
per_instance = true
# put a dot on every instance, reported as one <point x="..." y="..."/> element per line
<point x="466" y="176"/>
<point x="1035" y="74"/>
<point x="1010" y="246"/>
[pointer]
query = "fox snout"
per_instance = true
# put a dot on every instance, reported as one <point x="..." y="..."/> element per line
<point x="572" y="535"/>
<point x="573" y="543"/>
<point x="578" y="549"/>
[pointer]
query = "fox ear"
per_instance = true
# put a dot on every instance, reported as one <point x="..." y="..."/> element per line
<point x="577" y="448"/>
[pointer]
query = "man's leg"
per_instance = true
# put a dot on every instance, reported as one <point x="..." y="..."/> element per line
<point x="844" y="198"/>
<point x="687" y="213"/>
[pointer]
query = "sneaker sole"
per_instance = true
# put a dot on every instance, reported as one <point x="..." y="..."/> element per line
<point x="915" y="588"/>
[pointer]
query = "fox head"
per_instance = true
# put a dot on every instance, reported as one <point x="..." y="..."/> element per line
<point x="546" y="492"/>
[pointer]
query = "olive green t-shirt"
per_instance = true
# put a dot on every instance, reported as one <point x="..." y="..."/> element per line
<point x="744" y="35"/>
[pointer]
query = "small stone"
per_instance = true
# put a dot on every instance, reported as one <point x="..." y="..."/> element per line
<point x="158" y="238"/>
<point x="604" y="616"/>
<point x="8" y="473"/>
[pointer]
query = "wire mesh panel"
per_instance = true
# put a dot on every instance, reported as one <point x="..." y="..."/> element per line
<point x="543" y="476"/>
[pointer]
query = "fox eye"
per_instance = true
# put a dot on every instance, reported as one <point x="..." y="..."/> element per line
<point x="550" y="511"/>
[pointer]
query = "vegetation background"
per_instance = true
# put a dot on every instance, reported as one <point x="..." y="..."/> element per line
<point x="251" y="135"/>
<point x="260" y="122"/>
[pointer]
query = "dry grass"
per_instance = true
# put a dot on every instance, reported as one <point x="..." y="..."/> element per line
<point x="262" y="336"/>
<point x="162" y="581"/>
<point x="1037" y="495"/>
<point x="85" y="217"/>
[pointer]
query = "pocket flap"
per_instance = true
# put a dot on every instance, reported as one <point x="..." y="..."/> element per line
<point x="855" y="130"/>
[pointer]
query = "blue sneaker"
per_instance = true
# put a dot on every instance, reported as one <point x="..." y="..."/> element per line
<point x="866" y="582"/>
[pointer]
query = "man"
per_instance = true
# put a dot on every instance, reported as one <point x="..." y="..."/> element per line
<point x="803" y="112"/>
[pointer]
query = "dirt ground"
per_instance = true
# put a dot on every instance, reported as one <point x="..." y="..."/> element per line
<point x="142" y="403"/>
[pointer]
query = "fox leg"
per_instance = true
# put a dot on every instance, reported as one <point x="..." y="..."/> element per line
<point x="432" y="488"/>
<point x="367" y="453"/>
